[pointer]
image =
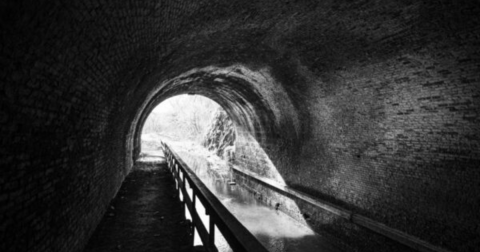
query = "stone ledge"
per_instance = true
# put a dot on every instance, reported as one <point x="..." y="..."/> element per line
<point x="377" y="227"/>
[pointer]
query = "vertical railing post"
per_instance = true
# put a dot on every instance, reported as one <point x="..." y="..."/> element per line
<point x="211" y="235"/>
<point x="194" y="200"/>
<point x="182" y="190"/>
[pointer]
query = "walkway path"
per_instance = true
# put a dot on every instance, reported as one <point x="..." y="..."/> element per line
<point x="145" y="216"/>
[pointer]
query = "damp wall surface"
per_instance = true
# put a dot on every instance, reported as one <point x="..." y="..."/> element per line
<point x="370" y="105"/>
<point x="403" y="147"/>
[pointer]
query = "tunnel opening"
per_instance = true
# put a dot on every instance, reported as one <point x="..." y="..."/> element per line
<point x="253" y="129"/>
<point x="258" y="106"/>
<point x="186" y="120"/>
<point x="203" y="135"/>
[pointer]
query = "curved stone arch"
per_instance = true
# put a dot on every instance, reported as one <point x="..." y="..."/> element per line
<point x="252" y="99"/>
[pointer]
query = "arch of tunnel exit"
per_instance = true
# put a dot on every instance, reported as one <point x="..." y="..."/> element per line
<point x="372" y="107"/>
<point x="245" y="95"/>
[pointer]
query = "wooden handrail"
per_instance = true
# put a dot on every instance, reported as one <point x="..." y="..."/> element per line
<point x="237" y="236"/>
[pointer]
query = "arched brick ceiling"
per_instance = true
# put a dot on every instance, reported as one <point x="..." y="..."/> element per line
<point x="379" y="99"/>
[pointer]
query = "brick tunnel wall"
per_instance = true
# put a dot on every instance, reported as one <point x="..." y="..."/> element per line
<point x="385" y="95"/>
<point x="61" y="154"/>
<point x="399" y="144"/>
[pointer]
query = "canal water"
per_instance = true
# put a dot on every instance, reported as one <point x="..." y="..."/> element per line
<point x="277" y="231"/>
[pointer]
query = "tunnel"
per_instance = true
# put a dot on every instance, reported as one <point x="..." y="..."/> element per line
<point x="371" y="106"/>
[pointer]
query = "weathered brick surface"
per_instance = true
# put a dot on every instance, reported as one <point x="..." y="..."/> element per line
<point x="374" y="106"/>
<point x="398" y="141"/>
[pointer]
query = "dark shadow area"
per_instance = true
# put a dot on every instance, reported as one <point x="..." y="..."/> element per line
<point x="145" y="215"/>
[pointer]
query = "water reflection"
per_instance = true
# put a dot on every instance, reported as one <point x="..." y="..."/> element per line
<point x="275" y="230"/>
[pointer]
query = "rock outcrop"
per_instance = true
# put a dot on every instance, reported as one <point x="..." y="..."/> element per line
<point x="220" y="137"/>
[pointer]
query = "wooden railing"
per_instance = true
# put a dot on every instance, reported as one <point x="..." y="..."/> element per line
<point x="237" y="236"/>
